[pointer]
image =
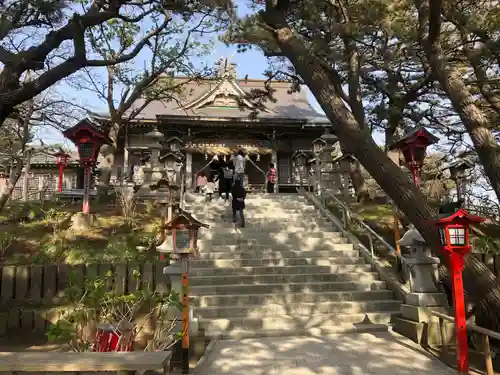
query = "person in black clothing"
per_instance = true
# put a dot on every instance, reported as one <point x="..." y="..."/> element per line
<point x="239" y="194"/>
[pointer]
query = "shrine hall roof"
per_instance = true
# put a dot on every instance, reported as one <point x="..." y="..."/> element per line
<point x="230" y="98"/>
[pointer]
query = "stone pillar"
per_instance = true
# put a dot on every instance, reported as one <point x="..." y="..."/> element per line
<point x="126" y="164"/>
<point x="416" y="321"/>
<point x="189" y="171"/>
<point x="274" y="160"/>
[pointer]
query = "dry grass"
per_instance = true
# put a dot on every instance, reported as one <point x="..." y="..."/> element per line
<point x="111" y="238"/>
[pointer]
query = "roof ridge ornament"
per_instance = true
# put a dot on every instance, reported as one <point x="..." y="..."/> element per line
<point x="225" y="69"/>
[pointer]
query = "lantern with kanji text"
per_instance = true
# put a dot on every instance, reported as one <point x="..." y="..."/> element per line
<point x="174" y="144"/>
<point x="453" y="229"/>
<point x="88" y="140"/>
<point x="413" y="145"/>
<point x="181" y="239"/>
<point x="317" y="146"/>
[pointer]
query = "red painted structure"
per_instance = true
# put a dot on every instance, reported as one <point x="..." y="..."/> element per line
<point x="413" y="145"/>
<point x="62" y="162"/>
<point x="454" y="240"/>
<point x="183" y="230"/>
<point x="88" y="140"/>
<point x="108" y="340"/>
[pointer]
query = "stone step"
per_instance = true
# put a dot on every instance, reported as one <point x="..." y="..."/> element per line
<point x="262" y="215"/>
<point x="278" y="244"/>
<point x="276" y="279"/>
<point x="269" y="227"/>
<point x="295" y="322"/>
<point x="258" y="205"/>
<point x="320" y="332"/>
<point x="302" y="261"/>
<point x="282" y="236"/>
<point x="273" y="254"/>
<point x="286" y="270"/>
<point x="266" y="221"/>
<point x="290" y="298"/>
<point x="304" y="308"/>
<point x="332" y="286"/>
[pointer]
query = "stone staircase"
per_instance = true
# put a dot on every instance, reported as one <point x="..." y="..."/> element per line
<point x="289" y="272"/>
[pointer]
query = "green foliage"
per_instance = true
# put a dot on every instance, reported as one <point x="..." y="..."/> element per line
<point x="486" y="245"/>
<point x="95" y="304"/>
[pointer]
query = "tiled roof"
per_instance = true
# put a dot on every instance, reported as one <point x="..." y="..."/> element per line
<point x="286" y="106"/>
<point x="43" y="158"/>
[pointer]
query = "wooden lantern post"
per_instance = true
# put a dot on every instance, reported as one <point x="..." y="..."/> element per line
<point x="413" y="145"/>
<point x="183" y="241"/>
<point x="453" y="231"/>
<point x="88" y="140"/>
<point x="62" y="162"/>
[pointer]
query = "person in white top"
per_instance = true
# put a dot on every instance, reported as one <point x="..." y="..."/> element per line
<point x="239" y="166"/>
<point x="209" y="189"/>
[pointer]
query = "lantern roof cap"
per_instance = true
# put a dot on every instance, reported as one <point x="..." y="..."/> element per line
<point x="173" y="138"/>
<point x="61" y="152"/>
<point x="328" y="136"/>
<point x="86" y="126"/>
<point x="460" y="214"/>
<point x="346" y="156"/>
<point x="184" y="218"/>
<point x="176" y="155"/>
<point x="319" y="140"/>
<point x="297" y="153"/>
<point x="164" y="183"/>
<point x="460" y="163"/>
<point x="155" y="134"/>
<point x="412" y="237"/>
<point x="419" y="133"/>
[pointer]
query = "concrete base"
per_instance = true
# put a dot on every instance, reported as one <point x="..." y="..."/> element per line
<point x="426" y="333"/>
<point x="81" y="222"/>
<point x="426" y="299"/>
<point x="422" y="314"/>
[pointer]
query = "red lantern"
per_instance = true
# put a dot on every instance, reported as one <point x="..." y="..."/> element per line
<point x="454" y="244"/>
<point x="62" y="162"/>
<point x="413" y="145"/>
<point x="88" y="140"/>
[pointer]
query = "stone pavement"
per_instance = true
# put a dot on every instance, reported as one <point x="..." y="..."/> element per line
<point x="378" y="353"/>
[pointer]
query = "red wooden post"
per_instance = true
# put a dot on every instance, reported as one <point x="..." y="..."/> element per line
<point x="453" y="231"/>
<point x="60" y="183"/>
<point x="86" y="190"/>
<point x="456" y="264"/>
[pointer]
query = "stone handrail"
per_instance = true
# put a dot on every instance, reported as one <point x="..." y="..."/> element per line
<point x="389" y="277"/>
<point x="486" y="334"/>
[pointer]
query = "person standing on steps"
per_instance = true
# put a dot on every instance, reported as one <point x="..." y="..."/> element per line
<point x="239" y="194"/>
<point x="239" y="166"/>
<point x="228" y="180"/>
<point x="271" y="178"/>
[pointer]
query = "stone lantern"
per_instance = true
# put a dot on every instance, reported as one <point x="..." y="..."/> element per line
<point x="300" y="159"/>
<point x="416" y="321"/>
<point x="329" y="149"/>
<point x="181" y="239"/>
<point x="345" y="162"/>
<point x="317" y="146"/>
<point x="153" y="170"/>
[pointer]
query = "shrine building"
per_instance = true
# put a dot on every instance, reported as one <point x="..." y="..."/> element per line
<point x="215" y="118"/>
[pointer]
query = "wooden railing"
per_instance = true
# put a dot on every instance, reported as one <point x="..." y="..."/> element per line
<point x="486" y="334"/>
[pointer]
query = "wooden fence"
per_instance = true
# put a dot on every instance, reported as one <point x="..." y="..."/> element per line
<point x="30" y="296"/>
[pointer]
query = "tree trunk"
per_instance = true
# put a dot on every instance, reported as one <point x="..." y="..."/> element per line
<point x="14" y="177"/>
<point x="359" y="183"/>
<point x="476" y="121"/>
<point x="479" y="281"/>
